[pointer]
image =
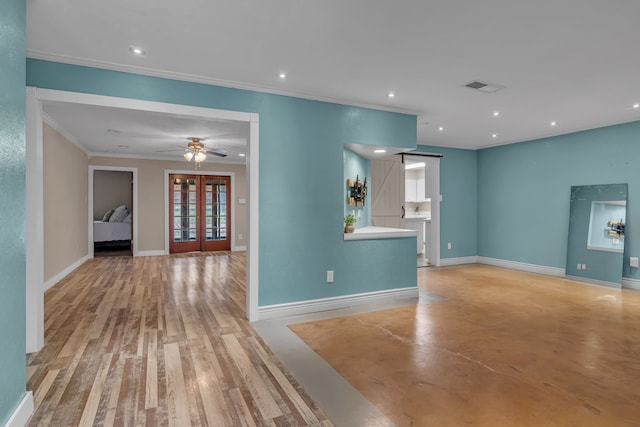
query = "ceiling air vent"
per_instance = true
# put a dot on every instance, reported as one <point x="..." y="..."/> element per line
<point x="484" y="87"/>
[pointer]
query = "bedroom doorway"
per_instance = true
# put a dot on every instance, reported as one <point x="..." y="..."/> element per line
<point x="199" y="213"/>
<point x="112" y="213"/>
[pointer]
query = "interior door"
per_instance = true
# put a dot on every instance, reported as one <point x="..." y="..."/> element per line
<point x="199" y="213"/>
<point x="387" y="192"/>
<point x="215" y="210"/>
<point x="184" y="226"/>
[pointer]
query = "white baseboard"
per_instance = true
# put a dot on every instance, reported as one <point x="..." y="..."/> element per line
<point x="22" y="413"/>
<point x="522" y="266"/>
<point x="630" y="283"/>
<point x="333" y="303"/>
<point x="445" y="262"/>
<point x="594" y="281"/>
<point x="238" y="248"/>
<point x="152" y="253"/>
<point x="55" y="279"/>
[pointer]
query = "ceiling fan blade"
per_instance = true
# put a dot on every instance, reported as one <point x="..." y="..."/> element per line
<point x="217" y="153"/>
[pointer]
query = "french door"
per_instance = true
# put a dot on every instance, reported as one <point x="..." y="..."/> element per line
<point x="199" y="213"/>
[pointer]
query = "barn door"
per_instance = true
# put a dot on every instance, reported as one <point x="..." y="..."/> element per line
<point x="387" y="192"/>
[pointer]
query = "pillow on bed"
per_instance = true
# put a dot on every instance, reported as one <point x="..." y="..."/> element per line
<point x="107" y="215"/>
<point x="128" y="218"/>
<point x="119" y="214"/>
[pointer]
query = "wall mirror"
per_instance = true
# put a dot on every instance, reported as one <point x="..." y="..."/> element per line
<point x="595" y="247"/>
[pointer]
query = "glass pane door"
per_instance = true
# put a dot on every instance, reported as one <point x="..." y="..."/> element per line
<point x="216" y="204"/>
<point x="184" y="230"/>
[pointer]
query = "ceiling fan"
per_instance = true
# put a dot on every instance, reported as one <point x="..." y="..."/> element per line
<point x="196" y="151"/>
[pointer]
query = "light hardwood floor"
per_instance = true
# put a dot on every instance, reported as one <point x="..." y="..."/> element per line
<point x="159" y="341"/>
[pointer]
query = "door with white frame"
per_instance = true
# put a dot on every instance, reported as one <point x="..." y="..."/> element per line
<point x="421" y="204"/>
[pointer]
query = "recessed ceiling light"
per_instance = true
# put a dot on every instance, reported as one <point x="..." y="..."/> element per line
<point x="113" y="131"/>
<point x="553" y="123"/>
<point x="282" y="76"/>
<point x="136" y="50"/>
<point x="379" y="151"/>
<point x="636" y="105"/>
<point x="496" y="113"/>
<point x="495" y="135"/>
<point x="392" y="95"/>
<point x="440" y="128"/>
<point x="241" y="154"/>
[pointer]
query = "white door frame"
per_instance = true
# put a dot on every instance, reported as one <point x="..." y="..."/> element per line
<point x="232" y="175"/>
<point x="36" y="98"/>
<point x="433" y="184"/>
<point x="134" y="204"/>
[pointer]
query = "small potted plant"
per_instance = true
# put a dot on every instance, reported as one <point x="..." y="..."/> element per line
<point x="349" y="220"/>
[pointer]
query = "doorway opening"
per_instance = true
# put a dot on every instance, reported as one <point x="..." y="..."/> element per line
<point x="112" y="212"/>
<point x="199" y="213"/>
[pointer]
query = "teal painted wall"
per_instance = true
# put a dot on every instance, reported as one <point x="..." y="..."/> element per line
<point x="603" y="266"/>
<point x="12" y="206"/>
<point x="301" y="177"/>
<point x="458" y="210"/>
<point x="357" y="166"/>
<point x="524" y="190"/>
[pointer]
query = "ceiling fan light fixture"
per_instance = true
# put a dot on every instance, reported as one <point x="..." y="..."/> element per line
<point x="188" y="155"/>
<point x="200" y="157"/>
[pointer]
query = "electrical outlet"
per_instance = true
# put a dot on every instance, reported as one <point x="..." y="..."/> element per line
<point x="329" y="276"/>
<point x="579" y="266"/>
<point x="584" y="266"/>
<point x="449" y="245"/>
<point x="239" y="236"/>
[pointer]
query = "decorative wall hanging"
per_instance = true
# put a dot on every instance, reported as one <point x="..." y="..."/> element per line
<point x="356" y="191"/>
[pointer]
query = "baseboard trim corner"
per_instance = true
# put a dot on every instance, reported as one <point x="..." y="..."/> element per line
<point x="334" y="303"/>
<point x="445" y="262"/>
<point x="522" y="266"/>
<point x="58" y="277"/>
<point x="152" y="253"/>
<point x="23" y="411"/>
<point x="629" y="283"/>
<point x="594" y="282"/>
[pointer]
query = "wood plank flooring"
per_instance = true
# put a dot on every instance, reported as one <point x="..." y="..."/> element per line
<point x="504" y="348"/>
<point x="159" y="341"/>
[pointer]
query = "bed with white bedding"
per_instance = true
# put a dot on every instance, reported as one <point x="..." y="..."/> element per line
<point x="105" y="231"/>
<point x="115" y="226"/>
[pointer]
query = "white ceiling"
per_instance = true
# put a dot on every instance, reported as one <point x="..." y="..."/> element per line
<point x="575" y="62"/>
<point x="131" y="133"/>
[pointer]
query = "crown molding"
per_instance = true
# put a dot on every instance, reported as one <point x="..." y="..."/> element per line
<point x="85" y="62"/>
<point x="56" y="126"/>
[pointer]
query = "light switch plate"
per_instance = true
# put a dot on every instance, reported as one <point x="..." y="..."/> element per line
<point x="633" y="261"/>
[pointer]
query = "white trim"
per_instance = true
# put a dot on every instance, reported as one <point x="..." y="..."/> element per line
<point x="604" y="249"/>
<point x="23" y="411"/>
<point x="210" y="159"/>
<point x="35" y="202"/>
<point x="56" y="126"/>
<point x="253" y="210"/>
<point x="167" y="172"/>
<point x="61" y="275"/>
<point x="594" y="281"/>
<point x="445" y="262"/>
<point x="334" y="303"/>
<point x="239" y="248"/>
<point x="522" y="266"/>
<point x="629" y="283"/>
<point x="46" y="56"/>
<point x="152" y="253"/>
<point x="34" y="235"/>
<point x="134" y="205"/>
